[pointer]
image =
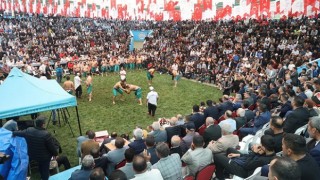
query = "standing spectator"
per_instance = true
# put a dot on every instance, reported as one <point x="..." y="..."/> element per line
<point x="197" y="157"/>
<point x="152" y="101"/>
<point x="77" y="85"/>
<point x="98" y="174"/>
<point x="86" y="169"/>
<point x="59" y="73"/>
<point x="41" y="147"/>
<point x="48" y="72"/>
<point x="68" y="85"/>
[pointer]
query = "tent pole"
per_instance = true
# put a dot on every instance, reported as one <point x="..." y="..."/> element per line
<point x="78" y="121"/>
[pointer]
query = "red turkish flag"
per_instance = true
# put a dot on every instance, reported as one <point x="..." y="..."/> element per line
<point x="176" y="15"/>
<point x="113" y="4"/>
<point x="227" y="11"/>
<point x="207" y="4"/>
<point x="169" y="6"/>
<point x="197" y="13"/>
<point x="38" y="11"/>
<point x="309" y="3"/>
<point x="45" y="9"/>
<point x="264" y="6"/>
<point x="277" y="7"/>
<point x="254" y="9"/>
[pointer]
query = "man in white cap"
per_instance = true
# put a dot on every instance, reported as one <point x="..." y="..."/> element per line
<point x="152" y="99"/>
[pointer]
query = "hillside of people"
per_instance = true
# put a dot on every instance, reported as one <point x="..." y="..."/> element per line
<point x="265" y="126"/>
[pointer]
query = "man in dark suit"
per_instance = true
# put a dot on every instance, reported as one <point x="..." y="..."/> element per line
<point x="248" y="113"/>
<point x="225" y="105"/>
<point x="138" y="144"/>
<point x="197" y="118"/>
<point x="175" y="145"/>
<point x="99" y="161"/>
<point x="298" y="117"/>
<point x="314" y="133"/>
<point x="151" y="149"/>
<point x="86" y="168"/>
<point x="174" y="129"/>
<point x="211" y="111"/>
<point x="294" y="147"/>
<point x="294" y="76"/>
<point x="212" y="132"/>
<point x="286" y="105"/>
<point x="41" y="147"/>
<point x="281" y="72"/>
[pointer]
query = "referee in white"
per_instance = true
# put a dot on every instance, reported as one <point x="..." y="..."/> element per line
<point x="152" y="99"/>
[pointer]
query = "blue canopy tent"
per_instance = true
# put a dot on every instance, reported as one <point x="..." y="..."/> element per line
<point x="22" y="94"/>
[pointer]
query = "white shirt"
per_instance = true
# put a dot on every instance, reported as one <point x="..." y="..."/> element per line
<point x="153" y="174"/>
<point x="152" y="97"/>
<point x="77" y="81"/>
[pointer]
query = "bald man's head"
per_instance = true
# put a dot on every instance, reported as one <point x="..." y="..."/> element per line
<point x="175" y="141"/>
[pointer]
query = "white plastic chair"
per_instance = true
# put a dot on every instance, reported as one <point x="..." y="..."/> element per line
<point x="301" y="130"/>
<point x="256" y="173"/>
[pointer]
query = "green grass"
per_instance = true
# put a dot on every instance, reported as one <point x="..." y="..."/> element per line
<point x="101" y="114"/>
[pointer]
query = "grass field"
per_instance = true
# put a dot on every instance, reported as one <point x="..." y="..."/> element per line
<point x="101" y="114"/>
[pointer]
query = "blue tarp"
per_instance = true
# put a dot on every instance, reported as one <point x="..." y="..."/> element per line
<point x="17" y="165"/>
<point x="22" y="94"/>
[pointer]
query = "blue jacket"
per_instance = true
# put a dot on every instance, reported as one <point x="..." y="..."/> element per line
<point x="261" y="120"/>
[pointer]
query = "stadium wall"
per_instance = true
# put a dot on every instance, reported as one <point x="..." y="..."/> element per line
<point x="159" y="10"/>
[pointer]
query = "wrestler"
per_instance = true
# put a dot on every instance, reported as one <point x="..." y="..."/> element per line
<point x="89" y="86"/>
<point x="150" y="73"/>
<point x="68" y="85"/>
<point x="119" y="87"/>
<point x="137" y="93"/>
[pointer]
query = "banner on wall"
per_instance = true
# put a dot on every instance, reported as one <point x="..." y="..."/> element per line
<point x="138" y="36"/>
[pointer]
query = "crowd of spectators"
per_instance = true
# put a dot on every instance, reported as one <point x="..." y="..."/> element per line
<point x="255" y="60"/>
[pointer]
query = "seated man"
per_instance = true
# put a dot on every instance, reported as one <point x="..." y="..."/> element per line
<point x="116" y="175"/>
<point x="86" y="168"/>
<point x="187" y="140"/>
<point x="244" y="165"/>
<point x="314" y="132"/>
<point x="168" y="165"/>
<point x="197" y="157"/>
<point x="262" y="117"/>
<point x="99" y="161"/>
<point x="212" y="132"/>
<point x="158" y="134"/>
<point x="241" y="118"/>
<point x="276" y="127"/>
<point x="138" y="144"/>
<point x="175" y="145"/>
<point x="89" y="144"/>
<point x="141" y="169"/>
<point x="229" y="120"/>
<point x="97" y="174"/>
<point x="115" y="156"/>
<point x="228" y="140"/>
<point x="283" y="168"/>
<point x="151" y="149"/>
<point x="128" y="169"/>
